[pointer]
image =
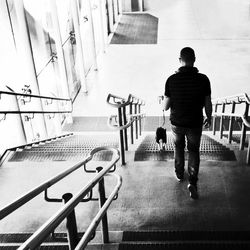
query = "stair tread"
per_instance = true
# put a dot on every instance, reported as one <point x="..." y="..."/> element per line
<point x="185" y="235"/>
<point x="210" y="149"/>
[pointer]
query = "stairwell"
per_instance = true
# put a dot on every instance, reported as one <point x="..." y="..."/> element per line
<point x="153" y="210"/>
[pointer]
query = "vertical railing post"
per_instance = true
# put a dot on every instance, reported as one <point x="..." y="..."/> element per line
<point x="231" y="121"/>
<point x="214" y="119"/>
<point x="243" y="136"/>
<point x="139" y="111"/>
<point x="125" y="130"/>
<point x="248" y="152"/>
<point x="71" y="224"/>
<point x="222" y="120"/>
<point x="136" y="120"/>
<point x="132" y="125"/>
<point x="141" y="7"/>
<point x="102" y="199"/>
<point x="244" y="129"/>
<point x="121" y="136"/>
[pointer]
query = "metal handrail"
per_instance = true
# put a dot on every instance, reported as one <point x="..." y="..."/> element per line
<point x="35" y="96"/>
<point x="137" y="116"/>
<point x="32" y="143"/>
<point x="247" y="98"/>
<point x="41" y="234"/>
<point x="92" y="227"/>
<point x="42" y="187"/>
<point x="136" y="100"/>
<point x="121" y="102"/>
<point x="34" y="112"/>
<point x="239" y="98"/>
<point x="5" y="112"/>
<point x="132" y="118"/>
<point x="242" y="98"/>
<point x="243" y="117"/>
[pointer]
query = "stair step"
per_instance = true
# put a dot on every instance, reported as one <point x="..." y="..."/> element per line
<point x="186" y="246"/>
<point x="209" y="149"/>
<point x="185" y="240"/>
<point x="186" y="236"/>
<point x="47" y="247"/>
<point x="21" y="237"/>
<point x="73" y="148"/>
<point x="237" y="137"/>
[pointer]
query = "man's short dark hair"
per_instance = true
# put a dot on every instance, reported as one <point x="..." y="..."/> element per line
<point x="187" y="54"/>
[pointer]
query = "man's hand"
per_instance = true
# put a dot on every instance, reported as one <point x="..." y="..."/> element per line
<point x="207" y="122"/>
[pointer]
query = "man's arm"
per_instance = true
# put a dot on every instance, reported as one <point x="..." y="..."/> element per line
<point x="208" y="111"/>
<point x="166" y="103"/>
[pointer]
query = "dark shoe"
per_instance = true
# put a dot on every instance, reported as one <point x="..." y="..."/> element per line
<point x="180" y="177"/>
<point x="193" y="192"/>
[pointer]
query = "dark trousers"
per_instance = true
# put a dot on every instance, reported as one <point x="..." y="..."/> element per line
<point x="193" y="137"/>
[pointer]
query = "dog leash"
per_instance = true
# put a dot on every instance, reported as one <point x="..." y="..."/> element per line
<point x="164" y="118"/>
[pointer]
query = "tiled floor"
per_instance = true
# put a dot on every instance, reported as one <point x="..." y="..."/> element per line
<point x="217" y="30"/>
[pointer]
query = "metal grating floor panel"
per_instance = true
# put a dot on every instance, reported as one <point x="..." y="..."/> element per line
<point x="72" y="148"/>
<point x="209" y="150"/>
<point x="136" y="29"/>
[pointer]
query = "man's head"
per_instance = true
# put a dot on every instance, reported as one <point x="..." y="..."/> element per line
<point x="187" y="56"/>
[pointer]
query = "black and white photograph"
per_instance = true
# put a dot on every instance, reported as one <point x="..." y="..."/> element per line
<point x="125" y="124"/>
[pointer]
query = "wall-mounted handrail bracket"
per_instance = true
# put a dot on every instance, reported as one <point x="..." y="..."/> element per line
<point x="51" y="116"/>
<point x="48" y="102"/>
<point x="27" y="118"/>
<point x="46" y="197"/>
<point x="3" y="118"/>
<point x="59" y="200"/>
<point x="53" y="57"/>
<point x="94" y="171"/>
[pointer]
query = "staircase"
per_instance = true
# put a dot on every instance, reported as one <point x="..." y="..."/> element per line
<point x="57" y="241"/>
<point x="160" y="214"/>
<point x="72" y="148"/>
<point x="210" y="149"/>
<point x="147" y="240"/>
<point x="185" y="240"/>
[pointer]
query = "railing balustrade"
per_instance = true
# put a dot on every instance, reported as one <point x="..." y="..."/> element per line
<point x="67" y="211"/>
<point x="30" y="144"/>
<point x="48" y="100"/>
<point x="61" y="106"/>
<point x="125" y="120"/>
<point x="8" y="209"/>
<point x="238" y="106"/>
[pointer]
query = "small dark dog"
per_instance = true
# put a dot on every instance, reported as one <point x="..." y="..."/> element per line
<point x="161" y="138"/>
